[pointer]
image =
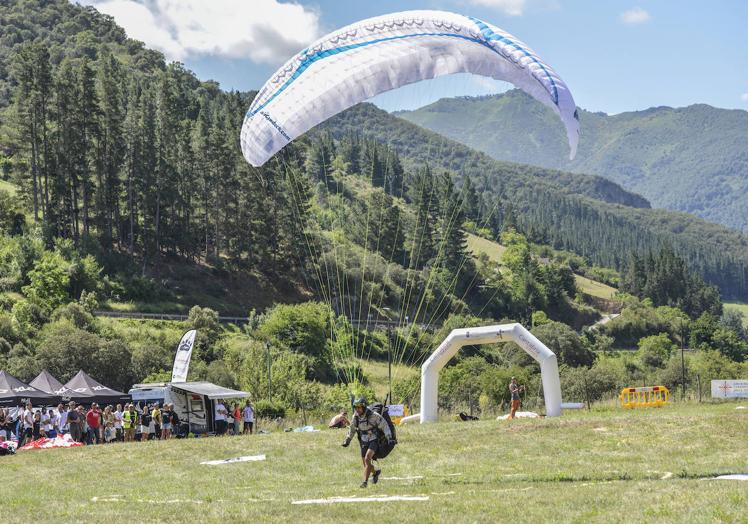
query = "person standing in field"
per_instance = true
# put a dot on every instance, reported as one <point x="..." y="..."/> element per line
<point x="118" y="420"/>
<point x="37" y="427"/>
<point x="3" y="423"/>
<point x="48" y="424"/>
<point x="73" y="420"/>
<point x="249" y="418"/>
<point x="156" y="418"/>
<point x="28" y="424"/>
<point x="166" y="427"/>
<point x="93" y="419"/>
<point x="108" y="423"/>
<point x="175" y="422"/>
<point x="62" y="419"/>
<point x="515" y="390"/>
<point x="82" y="423"/>
<point x="220" y="418"/>
<point x="129" y="422"/>
<point x="237" y="415"/>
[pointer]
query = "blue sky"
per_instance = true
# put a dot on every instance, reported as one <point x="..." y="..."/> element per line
<point x="616" y="55"/>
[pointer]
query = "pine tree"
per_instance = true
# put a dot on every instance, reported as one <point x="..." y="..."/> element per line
<point x="111" y="150"/>
<point x="469" y="198"/>
<point x="394" y="175"/>
<point x="453" y="238"/>
<point x="422" y="244"/>
<point x="133" y="161"/>
<point x="88" y="113"/>
<point x="31" y="69"/>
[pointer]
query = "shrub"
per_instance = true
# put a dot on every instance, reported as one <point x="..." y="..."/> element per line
<point x="407" y="391"/>
<point x="270" y="409"/>
<point x="655" y="350"/>
<point x="49" y="282"/>
<point x="76" y="314"/>
<point x="637" y="319"/>
<point x="29" y="316"/>
<point x="303" y="329"/>
<point x="565" y="343"/>
<point x="583" y="384"/>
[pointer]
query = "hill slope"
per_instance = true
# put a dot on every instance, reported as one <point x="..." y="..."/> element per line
<point x="564" y="210"/>
<point x="692" y="159"/>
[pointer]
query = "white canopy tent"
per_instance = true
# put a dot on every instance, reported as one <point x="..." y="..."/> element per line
<point x="489" y="335"/>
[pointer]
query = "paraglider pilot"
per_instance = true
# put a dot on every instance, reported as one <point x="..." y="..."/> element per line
<point x="368" y="425"/>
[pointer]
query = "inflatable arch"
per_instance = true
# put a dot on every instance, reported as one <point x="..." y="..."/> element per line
<point x="489" y="335"/>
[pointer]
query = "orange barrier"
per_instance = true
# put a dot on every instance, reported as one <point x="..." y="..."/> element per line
<point x="644" y="397"/>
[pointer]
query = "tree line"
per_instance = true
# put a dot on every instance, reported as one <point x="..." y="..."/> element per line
<point x="145" y="164"/>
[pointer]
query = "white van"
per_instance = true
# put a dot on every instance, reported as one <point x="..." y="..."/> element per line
<point x="194" y="402"/>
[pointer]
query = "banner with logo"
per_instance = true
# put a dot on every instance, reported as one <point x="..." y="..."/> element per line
<point x="182" y="359"/>
<point x="729" y="388"/>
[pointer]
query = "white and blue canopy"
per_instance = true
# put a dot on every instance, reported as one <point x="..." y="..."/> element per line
<point x="379" y="54"/>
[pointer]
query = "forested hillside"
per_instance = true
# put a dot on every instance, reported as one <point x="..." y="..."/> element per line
<point x="692" y="159"/>
<point x="553" y="207"/>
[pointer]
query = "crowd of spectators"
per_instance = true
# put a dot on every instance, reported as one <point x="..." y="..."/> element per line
<point x="133" y="422"/>
<point x="93" y="425"/>
<point x="243" y="418"/>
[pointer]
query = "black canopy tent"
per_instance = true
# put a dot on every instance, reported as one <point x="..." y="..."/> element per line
<point x="13" y="393"/>
<point x="46" y="382"/>
<point x="85" y="390"/>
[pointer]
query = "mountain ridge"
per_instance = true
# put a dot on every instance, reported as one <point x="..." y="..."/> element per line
<point x="692" y="159"/>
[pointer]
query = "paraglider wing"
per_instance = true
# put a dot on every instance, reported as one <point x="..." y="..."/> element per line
<point x="376" y="55"/>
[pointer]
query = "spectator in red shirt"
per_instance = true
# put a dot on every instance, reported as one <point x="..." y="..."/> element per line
<point x="93" y="419"/>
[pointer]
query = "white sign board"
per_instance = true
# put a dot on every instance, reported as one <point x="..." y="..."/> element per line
<point x="143" y="394"/>
<point x="396" y="410"/>
<point x="729" y="388"/>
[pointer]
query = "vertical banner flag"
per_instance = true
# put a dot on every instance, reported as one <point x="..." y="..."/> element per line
<point x="182" y="360"/>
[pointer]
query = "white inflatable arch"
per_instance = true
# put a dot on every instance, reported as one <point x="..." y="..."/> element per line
<point x="489" y="335"/>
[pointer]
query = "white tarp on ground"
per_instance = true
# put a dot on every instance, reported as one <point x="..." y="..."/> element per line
<point x="349" y="500"/>
<point x="248" y="458"/>
<point x="739" y="476"/>
<point x="519" y="414"/>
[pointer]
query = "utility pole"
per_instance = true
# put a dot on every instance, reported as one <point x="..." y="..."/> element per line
<point x="270" y="388"/>
<point x="389" y="358"/>
<point x="683" y="360"/>
<point x="683" y="374"/>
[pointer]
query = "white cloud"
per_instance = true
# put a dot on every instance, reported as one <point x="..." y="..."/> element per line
<point x="635" y="16"/>
<point x="265" y="31"/>
<point x="509" y="7"/>
<point x="744" y="97"/>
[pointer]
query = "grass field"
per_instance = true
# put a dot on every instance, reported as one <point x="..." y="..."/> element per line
<point x="743" y="308"/>
<point x="9" y="187"/>
<point x="476" y="245"/>
<point x="594" y="288"/>
<point x="599" y="466"/>
<point x="377" y="374"/>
